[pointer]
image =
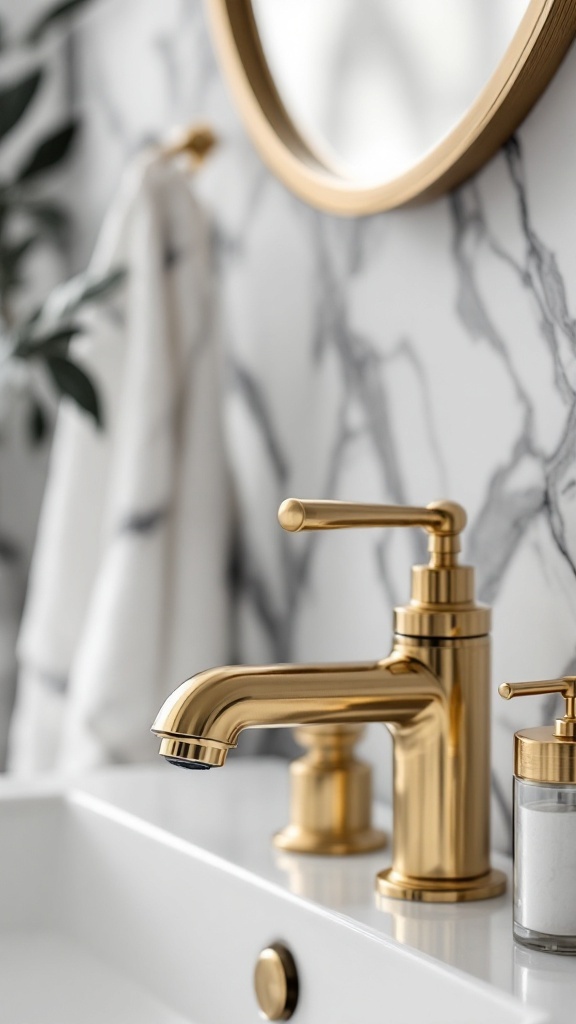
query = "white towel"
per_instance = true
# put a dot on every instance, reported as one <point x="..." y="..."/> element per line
<point x="127" y="594"/>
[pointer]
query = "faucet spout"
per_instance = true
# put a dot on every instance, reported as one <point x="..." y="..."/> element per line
<point x="203" y="718"/>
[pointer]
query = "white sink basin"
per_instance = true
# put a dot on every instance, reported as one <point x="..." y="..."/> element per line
<point x="145" y="895"/>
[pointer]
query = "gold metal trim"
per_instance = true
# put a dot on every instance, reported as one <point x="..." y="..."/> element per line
<point x="276" y="982"/>
<point x="295" y="839"/>
<point x="390" y="884"/>
<point x="547" y="753"/>
<point x="529" y="63"/>
<point x="540" y="756"/>
<point x="208" y="752"/>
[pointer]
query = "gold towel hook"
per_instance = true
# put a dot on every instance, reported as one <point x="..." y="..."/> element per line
<point x="195" y="142"/>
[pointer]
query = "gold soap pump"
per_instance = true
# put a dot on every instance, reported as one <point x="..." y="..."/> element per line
<point x="545" y="823"/>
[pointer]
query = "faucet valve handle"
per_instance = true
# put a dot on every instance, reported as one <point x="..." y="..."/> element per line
<point x="442" y="603"/>
<point x="443" y="520"/>
<point x="441" y="517"/>
<point x="564" y="728"/>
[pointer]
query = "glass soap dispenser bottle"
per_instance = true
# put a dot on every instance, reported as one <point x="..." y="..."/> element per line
<point x="545" y="824"/>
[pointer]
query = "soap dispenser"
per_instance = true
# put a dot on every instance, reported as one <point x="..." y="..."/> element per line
<point x="545" y="824"/>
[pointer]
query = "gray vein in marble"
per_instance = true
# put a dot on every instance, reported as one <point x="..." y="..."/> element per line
<point x="298" y="565"/>
<point x="278" y="623"/>
<point x="389" y="587"/>
<point x="407" y="350"/>
<point x="558" y="498"/>
<point x="253" y="585"/>
<point x="542" y="272"/>
<point x="361" y="366"/>
<point x="52" y="680"/>
<point x="508" y="511"/>
<point x="144" y="522"/>
<point x="115" y="127"/>
<point x="470" y="234"/>
<point x="501" y="524"/>
<point x="245" y="383"/>
<point x="246" y="575"/>
<point x="364" y="376"/>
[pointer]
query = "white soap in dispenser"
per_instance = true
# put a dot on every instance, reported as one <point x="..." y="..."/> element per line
<point x="545" y="824"/>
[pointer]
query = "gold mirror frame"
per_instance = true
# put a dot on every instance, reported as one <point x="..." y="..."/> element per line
<point x="540" y="43"/>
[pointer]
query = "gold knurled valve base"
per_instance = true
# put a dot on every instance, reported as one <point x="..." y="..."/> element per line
<point x="391" y="884"/>
<point x="331" y="796"/>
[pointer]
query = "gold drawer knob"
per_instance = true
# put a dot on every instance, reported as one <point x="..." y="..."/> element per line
<point x="276" y="982"/>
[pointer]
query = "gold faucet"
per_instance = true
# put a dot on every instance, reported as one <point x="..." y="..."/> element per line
<point x="433" y="693"/>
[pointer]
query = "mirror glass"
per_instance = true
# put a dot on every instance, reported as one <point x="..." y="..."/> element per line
<point x="373" y="85"/>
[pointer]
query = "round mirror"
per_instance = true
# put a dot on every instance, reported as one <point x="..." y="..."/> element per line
<point x="361" y="105"/>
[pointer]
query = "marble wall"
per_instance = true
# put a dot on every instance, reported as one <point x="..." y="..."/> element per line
<point x="403" y="357"/>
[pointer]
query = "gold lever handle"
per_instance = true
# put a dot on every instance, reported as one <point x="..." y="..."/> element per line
<point x="443" y="518"/>
<point x="564" y="728"/>
<point x="565" y="686"/>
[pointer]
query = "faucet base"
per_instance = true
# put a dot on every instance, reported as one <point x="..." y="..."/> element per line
<point x="392" y="885"/>
<point x="299" y="840"/>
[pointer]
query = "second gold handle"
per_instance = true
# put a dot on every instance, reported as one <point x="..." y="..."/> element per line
<point x="564" y="728"/>
<point x="566" y="686"/>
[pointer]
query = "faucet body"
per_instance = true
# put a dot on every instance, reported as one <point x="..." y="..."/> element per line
<point x="441" y="759"/>
<point x="432" y="692"/>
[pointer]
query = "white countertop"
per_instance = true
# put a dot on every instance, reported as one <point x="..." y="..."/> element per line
<point x="248" y="801"/>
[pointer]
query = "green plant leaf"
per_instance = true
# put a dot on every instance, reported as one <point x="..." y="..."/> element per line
<point x="37" y="422"/>
<point x="89" y="289"/>
<point x="49" y="152"/>
<point x="55" y="340"/>
<point x="72" y="381"/>
<point x="47" y="20"/>
<point x="96" y="290"/>
<point x="29" y="345"/>
<point x="14" y="100"/>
